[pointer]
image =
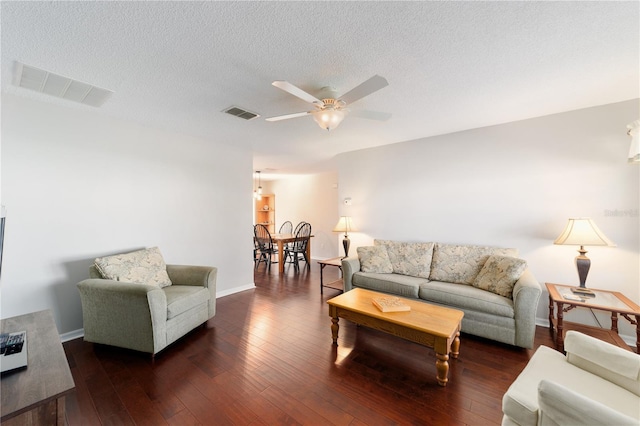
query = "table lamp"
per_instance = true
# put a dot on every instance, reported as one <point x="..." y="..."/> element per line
<point x="582" y="232"/>
<point x="345" y="225"/>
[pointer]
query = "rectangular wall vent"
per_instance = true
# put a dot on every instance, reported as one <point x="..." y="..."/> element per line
<point x="42" y="81"/>
<point x="241" y="113"/>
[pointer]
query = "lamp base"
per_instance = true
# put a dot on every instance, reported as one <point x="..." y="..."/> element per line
<point x="583" y="263"/>
<point x="345" y="244"/>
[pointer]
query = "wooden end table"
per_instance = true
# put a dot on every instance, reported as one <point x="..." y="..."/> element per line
<point x="432" y="326"/>
<point x="337" y="284"/>
<point x="610" y="301"/>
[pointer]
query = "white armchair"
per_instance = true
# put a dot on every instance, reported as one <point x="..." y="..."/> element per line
<point x="596" y="383"/>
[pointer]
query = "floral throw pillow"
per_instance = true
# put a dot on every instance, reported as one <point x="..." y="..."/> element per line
<point x="142" y="267"/>
<point x="413" y="259"/>
<point x="461" y="264"/>
<point x="499" y="274"/>
<point x="374" y="259"/>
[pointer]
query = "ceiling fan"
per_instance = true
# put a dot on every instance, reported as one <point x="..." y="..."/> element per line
<point x="330" y="109"/>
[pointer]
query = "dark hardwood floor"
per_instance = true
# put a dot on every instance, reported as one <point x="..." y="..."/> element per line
<point x="266" y="358"/>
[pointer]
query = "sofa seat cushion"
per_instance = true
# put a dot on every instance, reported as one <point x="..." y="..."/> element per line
<point x="466" y="297"/>
<point x="401" y="285"/>
<point x="181" y="298"/>
<point x="520" y="403"/>
<point x="461" y="264"/>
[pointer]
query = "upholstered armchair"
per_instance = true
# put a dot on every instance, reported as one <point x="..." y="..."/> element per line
<point x="125" y="305"/>
<point x="596" y="383"/>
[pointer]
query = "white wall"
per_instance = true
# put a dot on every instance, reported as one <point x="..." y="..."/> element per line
<point x="512" y="185"/>
<point x="314" y="199"/>
<point x="78" y="185"/>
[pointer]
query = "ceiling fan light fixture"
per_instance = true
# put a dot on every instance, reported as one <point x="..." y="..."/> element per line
<point x="329" y="118"/>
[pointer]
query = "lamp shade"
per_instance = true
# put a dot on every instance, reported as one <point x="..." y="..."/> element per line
<point x="329" y="118"/>
<point x="634" y="150"/>
<point x="581" y="231"/>
<point x="345" y="224"/>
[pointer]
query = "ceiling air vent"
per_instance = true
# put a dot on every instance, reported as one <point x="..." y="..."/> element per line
<point x="241" y="113"/>
<point x="62" y="87"/>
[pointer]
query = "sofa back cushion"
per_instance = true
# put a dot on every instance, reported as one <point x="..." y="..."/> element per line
<point x="142" y="267"/>
<point x="374" y="259"/>
<point x="413" y="259"/>
<point x="610" y="362"/>
<point x="461" y="264"/>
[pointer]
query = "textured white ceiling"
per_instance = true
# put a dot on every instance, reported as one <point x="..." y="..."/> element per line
<point x="451" y="66"/>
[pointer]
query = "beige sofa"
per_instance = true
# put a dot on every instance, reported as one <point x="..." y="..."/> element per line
<point x="137" y="310"/>
<point x="596" y="383"/>
<point x="499" y="297"/>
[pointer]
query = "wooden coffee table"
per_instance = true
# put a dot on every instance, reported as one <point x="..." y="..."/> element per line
<point x="433" y="326"/>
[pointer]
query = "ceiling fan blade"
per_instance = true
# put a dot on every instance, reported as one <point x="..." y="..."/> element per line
<point x="371" y="115"/>
<point x="288" y="116"/>
<point x="296" y="91"/>
<point x="368" y="87"/>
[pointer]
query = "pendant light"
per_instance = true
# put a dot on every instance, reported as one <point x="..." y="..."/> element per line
<point x="257" y="194"/>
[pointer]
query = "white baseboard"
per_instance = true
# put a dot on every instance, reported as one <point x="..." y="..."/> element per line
<point x="224" y="293"/>
<point x="629" y="340"/>
<point x="76" y="334"/>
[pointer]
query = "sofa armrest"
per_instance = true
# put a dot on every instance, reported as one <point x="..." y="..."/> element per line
<point x="350" y="265"/>
<point x="562" y="406"/>
<point x="196" y="275"/>
<point x="526" y="294"/>
<point x="603" y="359"/>
<point x="124" y="314"/>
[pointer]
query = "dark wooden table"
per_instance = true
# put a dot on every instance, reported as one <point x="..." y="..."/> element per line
<point x="611" y="301"/>
<point x="36" y="395"/>
<point x="337" y="284"/>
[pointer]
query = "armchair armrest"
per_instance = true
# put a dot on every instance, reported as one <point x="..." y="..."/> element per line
<point x="350" y="265"/>
<point x="562" y="406"/>
<point x="196" y="275"/>
<point x="526" y="294"/>
<point x="604" y="359"/>
<point x="109" y="307"/>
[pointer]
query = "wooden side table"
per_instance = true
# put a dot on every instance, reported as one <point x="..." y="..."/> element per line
<point x="36" y="395"/>
<point x="337" y="284"/>
<point x="611" y="301"/>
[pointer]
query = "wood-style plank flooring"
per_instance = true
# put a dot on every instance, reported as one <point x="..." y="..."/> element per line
<point x="266" y="358"/>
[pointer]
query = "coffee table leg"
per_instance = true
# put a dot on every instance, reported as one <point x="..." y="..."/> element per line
<point x="455" y="346"/>
<point x="334" y="329"/>
<point x="442" y="368"/>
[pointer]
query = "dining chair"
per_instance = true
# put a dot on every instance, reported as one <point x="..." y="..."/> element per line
<point x="298" y="249"/>
<point x="298" y="226"/>
<point x="265" y="246"/>
<point x="286" y="228"/>
<point x="256" y="249"/>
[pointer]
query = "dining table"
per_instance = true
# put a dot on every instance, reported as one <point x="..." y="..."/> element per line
<point x="282" y="239"/>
